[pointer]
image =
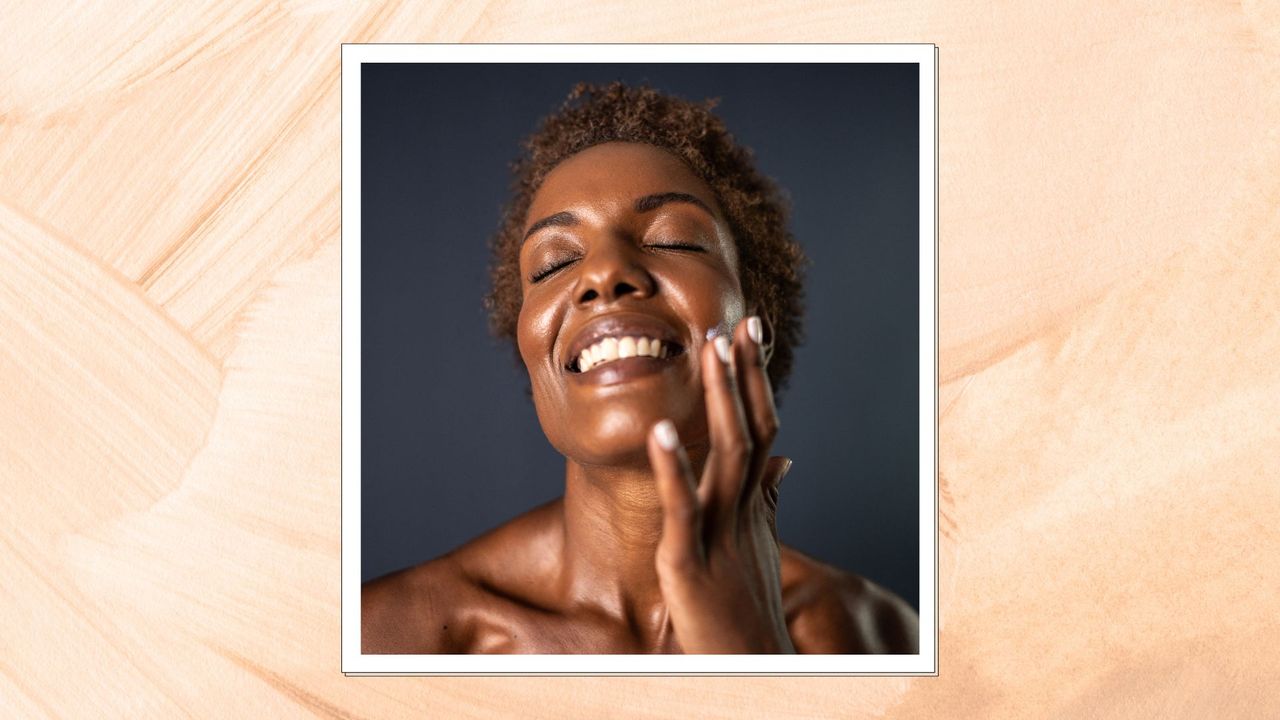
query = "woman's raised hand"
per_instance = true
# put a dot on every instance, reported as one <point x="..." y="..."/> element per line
<point x="718" y="563"/>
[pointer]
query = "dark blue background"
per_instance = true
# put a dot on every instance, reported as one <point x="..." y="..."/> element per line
<point x="451" y="444"/>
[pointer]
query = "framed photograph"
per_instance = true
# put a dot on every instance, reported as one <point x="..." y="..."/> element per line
<point x="599" y="301"/>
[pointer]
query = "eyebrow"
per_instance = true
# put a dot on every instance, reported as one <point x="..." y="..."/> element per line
<point x="560" y="219"/>
<point x="644" y="204"/>
<point x="652" y="202"/>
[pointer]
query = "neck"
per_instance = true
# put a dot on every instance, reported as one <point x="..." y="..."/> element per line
<point x="612" y="525"/>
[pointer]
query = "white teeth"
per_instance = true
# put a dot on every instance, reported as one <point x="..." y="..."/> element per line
<point x="609" y="349"/>
<point x="619" y="348"/>
<point x="627" y="347"/>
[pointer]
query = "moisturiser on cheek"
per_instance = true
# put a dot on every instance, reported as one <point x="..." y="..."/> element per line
<point x="724" y="327"/>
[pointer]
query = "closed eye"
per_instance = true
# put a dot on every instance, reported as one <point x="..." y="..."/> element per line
<point x="676" y="246"/>
<point x="556" y="266"/>
<point x="550" y="269"/>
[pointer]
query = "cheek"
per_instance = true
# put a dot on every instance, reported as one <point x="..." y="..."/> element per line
<point x="734" y="309"/>
<point x="536" y="331"/>
<point x="533" y="332"/>
<point x="712" y="300"/>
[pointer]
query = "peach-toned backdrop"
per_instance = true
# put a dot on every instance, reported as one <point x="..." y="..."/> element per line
<point x="169" y="360"/>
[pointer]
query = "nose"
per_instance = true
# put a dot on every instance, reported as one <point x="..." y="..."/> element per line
<point x="613" y="269"/>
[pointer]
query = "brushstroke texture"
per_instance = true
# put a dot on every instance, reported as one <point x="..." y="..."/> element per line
<point x="169" y="360"/>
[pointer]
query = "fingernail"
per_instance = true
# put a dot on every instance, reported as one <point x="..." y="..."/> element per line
<point x="722" y="348"/>
<point x="712" y="332"/>
<point x="665" y="432"/>
<point x="754" y="330"/>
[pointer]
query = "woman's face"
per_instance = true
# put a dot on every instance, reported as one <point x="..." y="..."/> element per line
<point x="624" y="246"/>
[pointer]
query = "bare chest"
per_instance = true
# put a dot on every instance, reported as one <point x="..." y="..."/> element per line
<point x="542" y="632"/>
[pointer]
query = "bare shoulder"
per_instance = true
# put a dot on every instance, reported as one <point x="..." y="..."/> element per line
<point x="833" y="611"/>
<point x="441" y="606"/>
<point x="412" y="611"/>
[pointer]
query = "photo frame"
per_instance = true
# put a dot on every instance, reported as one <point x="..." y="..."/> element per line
<point x="924" y="59"/>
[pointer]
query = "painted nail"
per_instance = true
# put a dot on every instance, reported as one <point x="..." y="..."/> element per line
<point x="754" y="330"/>
<point x="712" y="333"/>
<point x="722" y="348"/>
<point x="665" y="432"/>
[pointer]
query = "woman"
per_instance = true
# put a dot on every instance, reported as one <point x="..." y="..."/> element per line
<point x="646" y="275"/>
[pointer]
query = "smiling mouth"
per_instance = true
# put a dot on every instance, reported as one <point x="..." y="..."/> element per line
<point x="610" y="350"/>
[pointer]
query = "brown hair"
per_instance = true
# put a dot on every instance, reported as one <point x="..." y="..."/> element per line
<point x="770" y="260"/>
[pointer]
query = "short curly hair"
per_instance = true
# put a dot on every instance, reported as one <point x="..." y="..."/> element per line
<point x="770" y="260"/>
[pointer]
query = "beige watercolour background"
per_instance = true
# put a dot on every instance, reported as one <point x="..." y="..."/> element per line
<point x="169" y="360"/>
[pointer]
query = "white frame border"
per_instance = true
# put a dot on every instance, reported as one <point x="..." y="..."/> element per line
<point x="356" y="663"/>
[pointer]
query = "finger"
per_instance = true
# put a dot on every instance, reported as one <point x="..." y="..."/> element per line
<point x="757" y="396"/>
<point x="680" y="547"/>
<point x="775" y="469"/>
<point x="731" y="446"/>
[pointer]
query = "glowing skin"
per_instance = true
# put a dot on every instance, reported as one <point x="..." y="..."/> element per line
<point x="665" y="539"/>
<point x="622" y="262"/>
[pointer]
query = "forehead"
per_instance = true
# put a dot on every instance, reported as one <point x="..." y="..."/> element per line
<point x="615" y="173"/>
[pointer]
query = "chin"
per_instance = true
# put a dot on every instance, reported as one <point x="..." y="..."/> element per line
<point x="619" y="435"/>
